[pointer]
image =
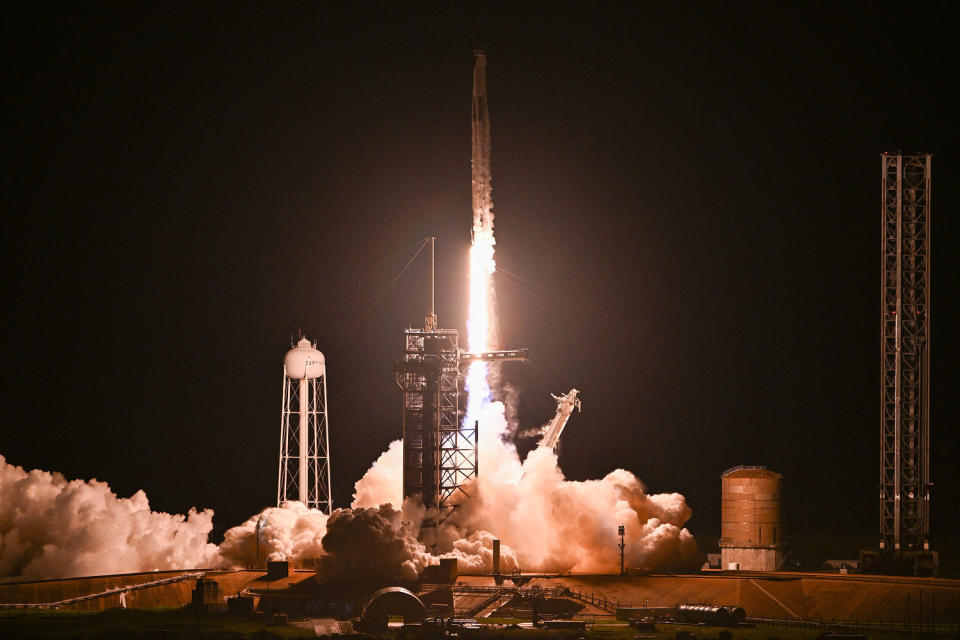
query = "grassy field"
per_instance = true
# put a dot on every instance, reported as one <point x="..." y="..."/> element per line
<point x="138" y="623"/>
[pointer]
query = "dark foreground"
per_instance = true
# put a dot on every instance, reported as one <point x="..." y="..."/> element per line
<point x="169" y="624"/>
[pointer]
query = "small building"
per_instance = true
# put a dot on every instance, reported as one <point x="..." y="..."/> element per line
<point x="752" y="536"/>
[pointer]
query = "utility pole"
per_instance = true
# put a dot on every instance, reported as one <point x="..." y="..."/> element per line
<point x="620" y="530"/>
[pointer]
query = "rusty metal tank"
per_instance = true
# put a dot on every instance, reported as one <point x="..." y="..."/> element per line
<point x="751" y="507"/>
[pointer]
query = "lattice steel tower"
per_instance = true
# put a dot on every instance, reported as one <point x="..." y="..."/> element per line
<point x="905" y="355"/>
<point x="439" y="454"/>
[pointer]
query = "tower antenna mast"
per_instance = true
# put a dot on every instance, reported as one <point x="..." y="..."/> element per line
<point x="430" y="322"/>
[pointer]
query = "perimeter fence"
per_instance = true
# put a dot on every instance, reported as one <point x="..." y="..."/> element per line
<point x="918" y="630"/>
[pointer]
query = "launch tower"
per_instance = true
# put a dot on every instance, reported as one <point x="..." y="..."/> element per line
<point x="905" y="358"/>
<point x="439" y="454"/>
<point x="304" y="470"/>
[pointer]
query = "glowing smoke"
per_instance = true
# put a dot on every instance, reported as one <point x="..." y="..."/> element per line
<point x="52" y="527"/>
<point x="290" y="532"/>
<point x="383" y="482"/>
<point x="554" y="524"/>
<point x="372" y="547"/>
<point x="548" y="523"/>
<point x="359" y="547"/>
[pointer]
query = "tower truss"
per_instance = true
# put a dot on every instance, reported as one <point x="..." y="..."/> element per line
<point x="905" y="354"/>
<point x="438" y="455"/>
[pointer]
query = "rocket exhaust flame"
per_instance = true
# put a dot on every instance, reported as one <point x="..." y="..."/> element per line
<point x="480" y="320"/>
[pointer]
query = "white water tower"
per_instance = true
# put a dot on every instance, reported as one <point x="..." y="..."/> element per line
<point x="304" y="473"/>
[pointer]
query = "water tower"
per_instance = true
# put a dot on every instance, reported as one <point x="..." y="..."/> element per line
<point x="751" y="536"/>
<point x="304" y="472"/>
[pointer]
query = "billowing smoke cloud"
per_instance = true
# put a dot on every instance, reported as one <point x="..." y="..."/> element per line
<point x="290" y="532"/>
<point x="52" y="527"/>
<point x="360" y="547"/>
<point x="474" y="554"/>
<point x="548" y="523"/>
<point x="383" y="482"/>
<point x="372" y="547"/>
<point x="554" y="524"/>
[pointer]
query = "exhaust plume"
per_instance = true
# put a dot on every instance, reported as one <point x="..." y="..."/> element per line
<point x="549" y="523"/>
<point x="383" y="482"/>
<point x="289" y="532"/>
<point x="371" y="547"/>
<point x="54" y="527"/>
<point x="364" y="548"/>
<point x="555" y="524"/>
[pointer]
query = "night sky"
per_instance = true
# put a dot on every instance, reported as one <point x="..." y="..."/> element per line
<point x="688" y="217"/>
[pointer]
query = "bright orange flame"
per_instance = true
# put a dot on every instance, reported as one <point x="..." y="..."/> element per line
<point x="480" y="317"/>
<point x="482" y="266"/>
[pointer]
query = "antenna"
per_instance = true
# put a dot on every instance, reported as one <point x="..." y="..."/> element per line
<point x="430" y="322"/>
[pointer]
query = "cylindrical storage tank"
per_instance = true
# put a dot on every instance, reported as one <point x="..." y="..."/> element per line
<point x="726" y="615"/>
<point x="751" y="514"/>
<point x="304" y="361"/>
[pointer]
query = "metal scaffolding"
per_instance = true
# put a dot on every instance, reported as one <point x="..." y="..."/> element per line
<point x="438" y="456"/>
<point x="905" y="354"/>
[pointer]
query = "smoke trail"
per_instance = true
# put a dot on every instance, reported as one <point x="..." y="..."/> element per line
<point x="551" y="523"/>
<point x="480" y="317"/>
<point x="52" y="527"/>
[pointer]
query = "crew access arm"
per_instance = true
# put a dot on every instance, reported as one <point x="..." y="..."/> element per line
<point x="565" y="406"/>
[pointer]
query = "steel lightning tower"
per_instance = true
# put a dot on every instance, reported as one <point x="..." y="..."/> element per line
<point x="304" y="470"/>
<point x="905" y="356"/>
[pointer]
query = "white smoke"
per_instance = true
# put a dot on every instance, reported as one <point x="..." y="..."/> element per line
<point x="290" y="532"/>
<point x="52" y="527"/>
<point x="383" y="482"/>
<point x="548" y="523"/>
<point x="474" y="554"/>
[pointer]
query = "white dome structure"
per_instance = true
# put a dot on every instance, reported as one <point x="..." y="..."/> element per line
<point x="304" y="361"/>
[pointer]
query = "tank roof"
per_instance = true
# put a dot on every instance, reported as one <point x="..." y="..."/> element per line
<point x="745" y="471"/>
